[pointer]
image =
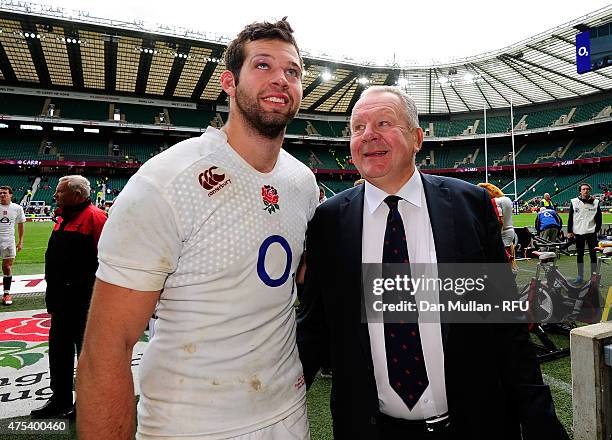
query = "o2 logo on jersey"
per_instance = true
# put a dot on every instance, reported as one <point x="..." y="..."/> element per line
<point x="261" y="261"/>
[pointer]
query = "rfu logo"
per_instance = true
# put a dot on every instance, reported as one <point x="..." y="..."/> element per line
<point x="208" y="179"/>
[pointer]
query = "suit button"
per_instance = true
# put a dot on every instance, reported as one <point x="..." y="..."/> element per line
<point x="373" y="420"/>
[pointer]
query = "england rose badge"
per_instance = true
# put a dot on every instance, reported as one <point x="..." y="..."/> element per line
<point x="270" y="198"/>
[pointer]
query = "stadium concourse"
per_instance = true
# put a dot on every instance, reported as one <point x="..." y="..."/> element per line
<point x="98" y="97"/>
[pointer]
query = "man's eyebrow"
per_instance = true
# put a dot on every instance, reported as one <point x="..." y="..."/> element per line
<point x="267" y="55"/>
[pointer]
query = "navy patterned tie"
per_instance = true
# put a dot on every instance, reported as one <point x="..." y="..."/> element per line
<point x="405" y="363"/>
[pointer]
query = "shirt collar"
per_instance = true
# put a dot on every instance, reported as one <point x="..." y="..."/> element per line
<point x="410" y="192"/>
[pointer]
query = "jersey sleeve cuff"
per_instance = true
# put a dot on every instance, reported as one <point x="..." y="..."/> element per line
<point x="136" y="279"/>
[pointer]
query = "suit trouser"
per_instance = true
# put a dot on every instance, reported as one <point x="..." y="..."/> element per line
<point x="591" y="241"/>
<point x="65" y="337"/>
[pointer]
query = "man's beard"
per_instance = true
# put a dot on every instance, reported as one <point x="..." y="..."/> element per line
<point x="268" y="124"/>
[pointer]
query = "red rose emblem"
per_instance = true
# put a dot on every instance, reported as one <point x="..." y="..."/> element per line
<point x="269" y="194"/>
<point x="270" y="198"/>
<point x="34" y="329"/>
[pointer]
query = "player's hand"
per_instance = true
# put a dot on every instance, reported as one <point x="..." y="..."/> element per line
<point x="19" y="246"/>
<point x="570" y="235"/>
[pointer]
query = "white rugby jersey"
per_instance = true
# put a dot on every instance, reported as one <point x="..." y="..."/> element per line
<point x="9" y="215"/>
<point x="223" y="241"/>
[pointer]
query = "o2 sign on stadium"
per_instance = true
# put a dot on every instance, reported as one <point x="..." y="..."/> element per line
<point x="261" y="261"/>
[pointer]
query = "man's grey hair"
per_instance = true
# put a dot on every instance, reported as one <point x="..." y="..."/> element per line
<point x="410" y="108"/>
<point x="77" y="184"/>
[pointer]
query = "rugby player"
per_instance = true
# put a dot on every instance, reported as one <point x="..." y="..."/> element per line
<point x="11" y="213"/>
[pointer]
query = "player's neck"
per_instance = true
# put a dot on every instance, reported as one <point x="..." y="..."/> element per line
<point x="258" y="151"/>
<point x="5" y="204"/>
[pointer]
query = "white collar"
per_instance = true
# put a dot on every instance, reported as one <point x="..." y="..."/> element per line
<point x="410" y="192"/>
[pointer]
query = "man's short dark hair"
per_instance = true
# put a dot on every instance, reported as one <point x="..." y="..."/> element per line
<point x="584" y="184"/>
<point x="8" y="188"/>
<point x="234" y="54"/>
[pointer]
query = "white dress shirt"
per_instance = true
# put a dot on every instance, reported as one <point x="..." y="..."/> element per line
<point x="421" y="249"/>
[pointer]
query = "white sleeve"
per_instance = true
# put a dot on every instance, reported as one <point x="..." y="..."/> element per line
<point x="20" y="215"/>
<point x="141" y="241"/>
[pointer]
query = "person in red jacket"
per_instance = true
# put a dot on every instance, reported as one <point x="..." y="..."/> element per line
<point x="71" y="262"/>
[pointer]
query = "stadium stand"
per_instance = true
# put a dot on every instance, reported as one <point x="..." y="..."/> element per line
<point x="14" y="146"/>
<point x="23" y="105"/>
<point x="81" y="109"/>
<point x="139" y="114"/>
<point x="46" y="189"/>
<point x="139" y="150"/>
<point x="20" y="184"/>
<point x="336" y="186"/>
<point x="580" y="123"/>
<point x="297" y="127"/>
<point x="595" y="180"/>
<point x="190" y="118"/>
<point x="80" y="148"/>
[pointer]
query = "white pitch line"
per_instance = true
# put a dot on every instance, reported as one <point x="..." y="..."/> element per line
<point x="557" y="384"/>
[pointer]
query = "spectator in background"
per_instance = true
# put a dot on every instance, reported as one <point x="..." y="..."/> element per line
<point x="71" y="261"/>
<point x="504" y="212"/>
<point x="548" y="224"/>
<point x="11" y="214"/>
<point x="322" y="196"/>
<point x="584" y="223"/>
<point x="546" y="202"/>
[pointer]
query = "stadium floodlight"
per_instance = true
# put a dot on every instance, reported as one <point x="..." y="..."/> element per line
<point x="91" y="130"/>
<point x="468" y="77"/>
<point x="3" y="126"/>
<point x="63" y="129"/>
<point x="326" y="76"/>
<point x="443" y="80"/>
<point x="363" y="80"/>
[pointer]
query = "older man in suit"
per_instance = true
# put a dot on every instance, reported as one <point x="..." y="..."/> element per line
<point x="473" y="381"/>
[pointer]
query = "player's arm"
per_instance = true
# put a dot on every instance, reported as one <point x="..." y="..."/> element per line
<point x="105" y="388"/>
<point x="570" y="221"/>
<point x="20" y="230"/>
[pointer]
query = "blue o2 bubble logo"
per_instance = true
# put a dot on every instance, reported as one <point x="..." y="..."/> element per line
<point x="261" y="268"/>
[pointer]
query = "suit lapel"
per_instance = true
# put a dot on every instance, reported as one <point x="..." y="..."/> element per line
<point x="351" y="234"/>
<point x="440" y="207"/>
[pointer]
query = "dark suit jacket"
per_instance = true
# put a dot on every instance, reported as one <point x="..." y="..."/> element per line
<point x="493" y="383"/>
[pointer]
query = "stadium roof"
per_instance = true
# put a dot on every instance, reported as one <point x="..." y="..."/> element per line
<point x="49" y="48"/>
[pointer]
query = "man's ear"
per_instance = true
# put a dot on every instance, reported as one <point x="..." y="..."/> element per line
<point x="419" y="138"/>
<point x="228" y="83"/>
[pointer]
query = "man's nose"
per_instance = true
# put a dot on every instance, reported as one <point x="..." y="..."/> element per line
<point x="280" y="78"/>
<point x="369" y="133"/>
